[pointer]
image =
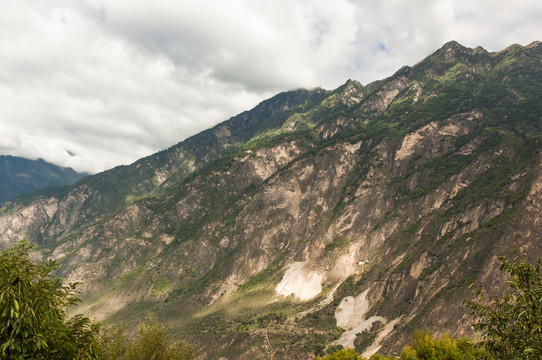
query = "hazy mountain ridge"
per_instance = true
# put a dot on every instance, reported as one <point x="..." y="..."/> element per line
<point x="19" y="176"/>
<point x="390" y="195"/>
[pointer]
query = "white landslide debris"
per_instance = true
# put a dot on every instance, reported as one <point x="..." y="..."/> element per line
<point x="301" y="282"/>
<point x="349" y="336"/>
<point x="350" y="315"/>
<point x="351" y="311"/>
<point x="377" y="344"/>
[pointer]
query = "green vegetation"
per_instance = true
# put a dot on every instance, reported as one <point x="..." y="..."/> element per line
<point x="425" y="346"/>
<point x="512" y="324"/>
<point x="33" y="312"/>
<point x="263" y="276"/>
<point x="35" y="323"/>
<point x="161" y="286"/>
<point x="199" y="210"/>
<point x="337" y="243"/>
<point x="367" y="337"/>
<point x="345" y="354"/>
<point x="152" y="342"/>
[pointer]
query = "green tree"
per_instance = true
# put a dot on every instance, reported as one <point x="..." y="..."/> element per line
<point x="344" y="354"/>
<point x="425" y="347"/>
<point x="152" y="342"/>
<point x="511" y="325"/>
<point x="351" y="354"/>
<point x="114" y="343"/>
<point x="381" y="357"/>
<point x="33" y="312"/>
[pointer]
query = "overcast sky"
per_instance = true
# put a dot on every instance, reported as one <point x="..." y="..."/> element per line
<point x="92" y="84"/>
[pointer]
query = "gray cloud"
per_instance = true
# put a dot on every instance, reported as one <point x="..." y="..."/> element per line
<point x="94" y="83"/>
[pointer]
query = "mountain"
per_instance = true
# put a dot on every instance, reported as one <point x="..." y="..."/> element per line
<point x="20" y="176"/>
<point x="353" y="216"/>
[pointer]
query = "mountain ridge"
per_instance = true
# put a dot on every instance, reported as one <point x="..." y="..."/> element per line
<point x="21" y="176"/>
<point x="389" y="196"/>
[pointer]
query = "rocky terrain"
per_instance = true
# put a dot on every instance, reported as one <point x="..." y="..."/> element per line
<point x="318" y="218"/>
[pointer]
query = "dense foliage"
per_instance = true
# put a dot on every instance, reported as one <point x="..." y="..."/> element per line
<point x="152" y="342"/>
<point x="512" y="324"/>
<point x="34" y="323"/>
<point x="344" y="354"/>
<point x="425" y="347"/>
<point x="33" y="312"/>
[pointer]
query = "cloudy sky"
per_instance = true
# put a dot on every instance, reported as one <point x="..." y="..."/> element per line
<point x="92" y="84"/>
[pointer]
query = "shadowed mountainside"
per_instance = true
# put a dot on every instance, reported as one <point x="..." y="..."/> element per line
<point x="19" y="176"/>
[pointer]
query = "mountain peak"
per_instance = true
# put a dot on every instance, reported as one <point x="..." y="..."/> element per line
<point x="534" y="44"/>
<point x="453" y="44"/>
<point x="265" y="228"/>
<point x="453" y="50"/>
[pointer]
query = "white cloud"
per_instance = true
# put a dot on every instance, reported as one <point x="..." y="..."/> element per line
<point x="93" y="84"/>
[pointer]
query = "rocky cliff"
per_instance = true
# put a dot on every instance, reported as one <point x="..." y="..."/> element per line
<point x="351" y="217"/>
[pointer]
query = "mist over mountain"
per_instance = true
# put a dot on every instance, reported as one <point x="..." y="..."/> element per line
<point x="20" y="176"/>
<point x="347" y="217"/>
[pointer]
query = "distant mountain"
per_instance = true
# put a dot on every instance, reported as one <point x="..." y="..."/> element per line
<point x="353" y="216"/>
<point x="19" y="176"/>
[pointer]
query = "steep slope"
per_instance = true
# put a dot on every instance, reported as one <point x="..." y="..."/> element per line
<point x="97" y="197"/>
<point x="317" y="215"/>
<point x="20" y="176"/>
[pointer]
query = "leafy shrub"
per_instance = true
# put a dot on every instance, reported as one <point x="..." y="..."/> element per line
<point x="35" y="324"/>
<point x="33" y="312"/>
<point x="426" y="347"/>
<point x="152" y="342"/>
<point x="345" y="354"/>
<point x="512" y="323"/>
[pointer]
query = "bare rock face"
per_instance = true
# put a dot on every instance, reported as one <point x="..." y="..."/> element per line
<point x="16" y="224"/>
<point x="318" y="218"/>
